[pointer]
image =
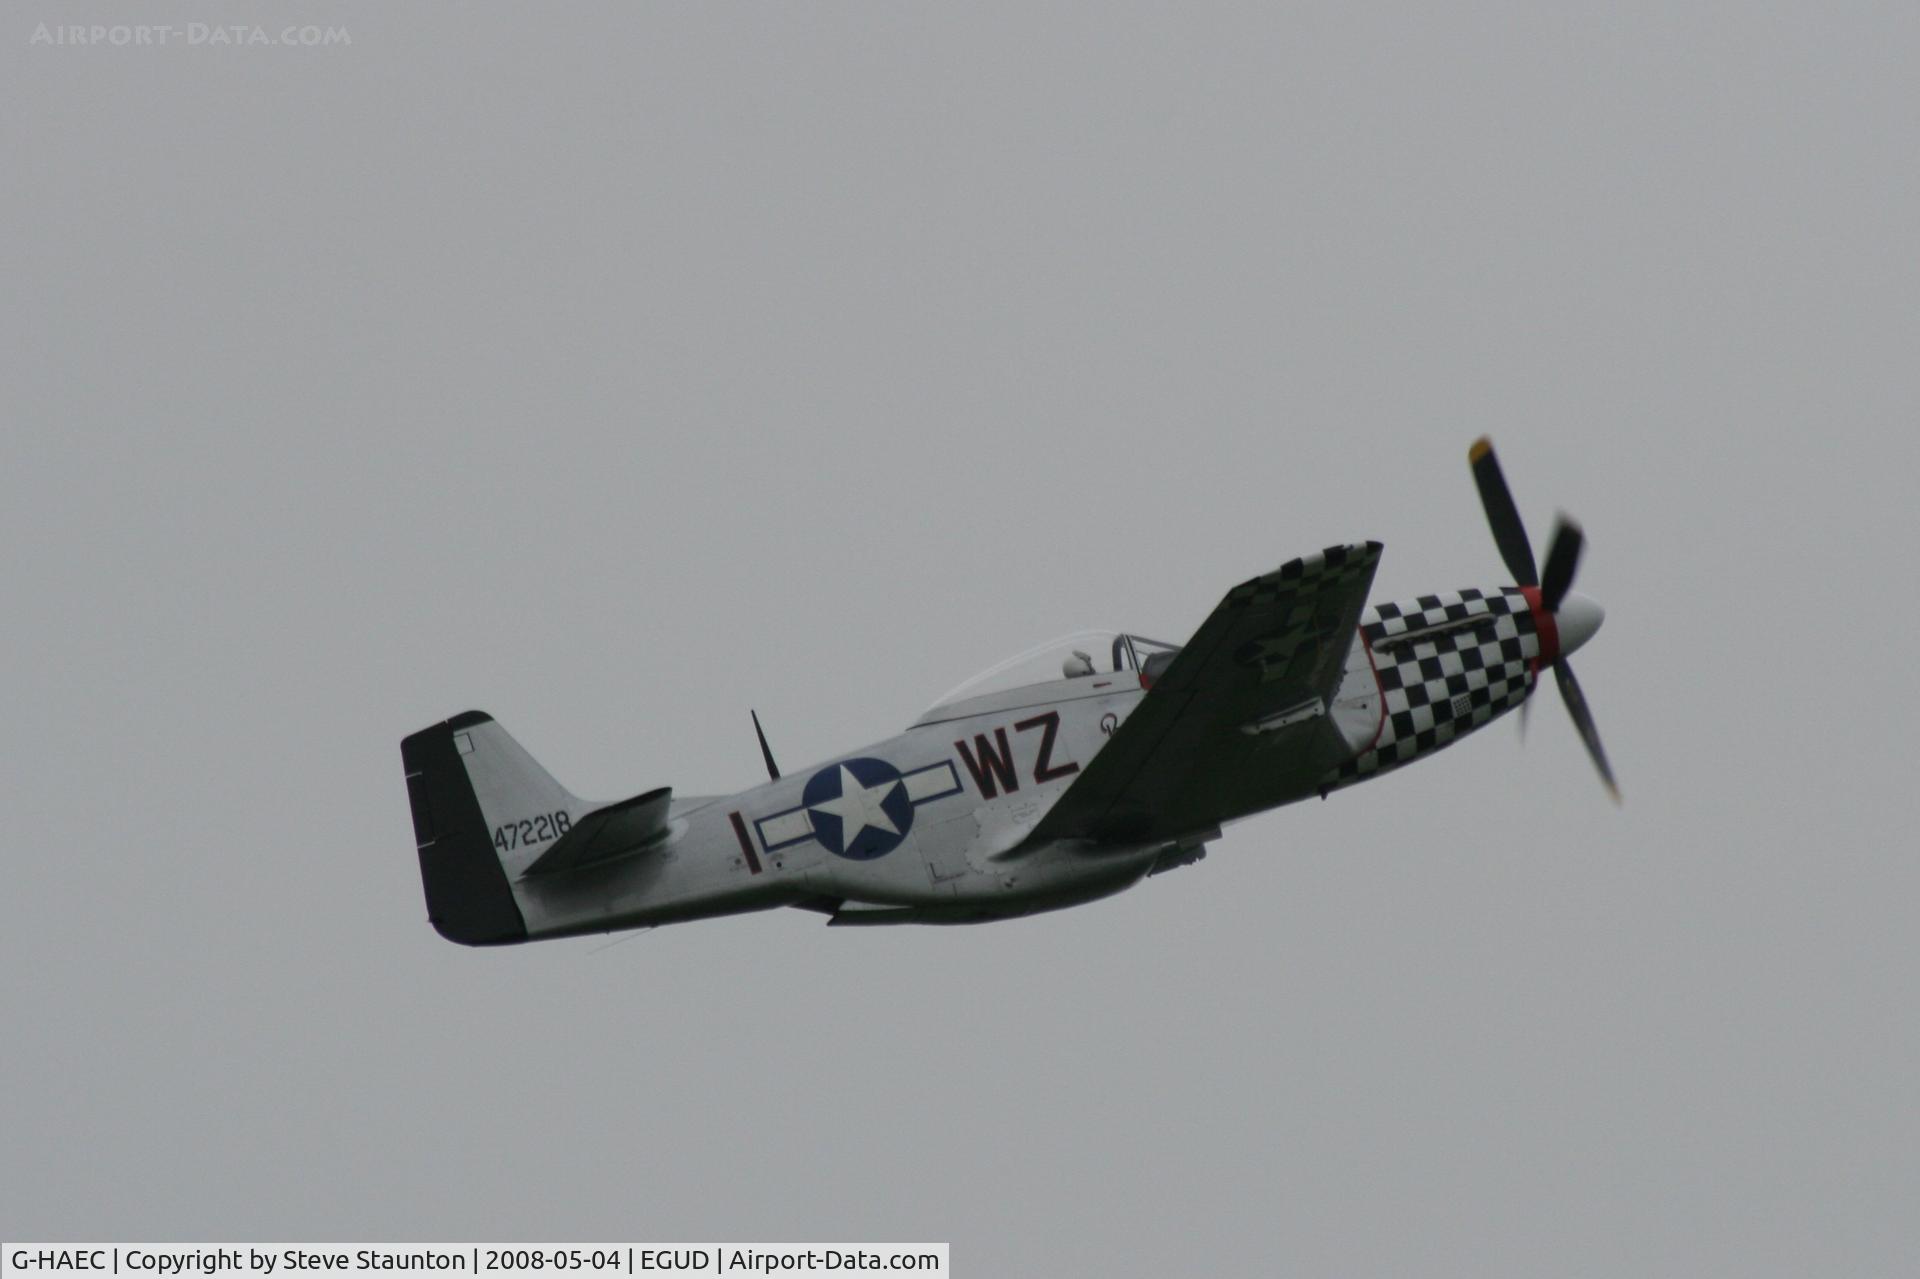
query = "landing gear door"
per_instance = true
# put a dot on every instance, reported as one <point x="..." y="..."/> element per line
<point x="945" y="846"/>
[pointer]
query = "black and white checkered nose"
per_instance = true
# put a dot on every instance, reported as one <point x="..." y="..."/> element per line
<point x="1577" y="618"/>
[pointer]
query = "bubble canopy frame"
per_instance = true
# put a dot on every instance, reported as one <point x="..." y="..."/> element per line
<point x="1106" y="651"/>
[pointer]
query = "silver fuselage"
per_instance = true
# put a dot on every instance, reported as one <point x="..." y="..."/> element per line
<point x="933" y="825"/>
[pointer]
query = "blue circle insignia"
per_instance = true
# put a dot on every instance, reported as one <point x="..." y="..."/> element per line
<point x="859" y="808"/>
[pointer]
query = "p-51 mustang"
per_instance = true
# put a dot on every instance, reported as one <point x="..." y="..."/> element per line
<point x="1015" y="795"/>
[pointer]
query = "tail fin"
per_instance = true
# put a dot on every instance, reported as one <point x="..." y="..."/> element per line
<point x="481" y="807"/>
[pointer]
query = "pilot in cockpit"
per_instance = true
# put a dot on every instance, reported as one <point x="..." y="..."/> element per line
<point x="1076" y="665"/>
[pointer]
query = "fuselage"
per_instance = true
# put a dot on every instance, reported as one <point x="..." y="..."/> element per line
<point x="933" y="825"/>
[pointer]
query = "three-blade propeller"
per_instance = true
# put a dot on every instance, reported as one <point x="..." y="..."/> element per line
<point x="1575" y="616"/>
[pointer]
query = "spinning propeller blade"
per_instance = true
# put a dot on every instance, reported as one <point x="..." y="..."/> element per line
<point x="1580" y="617"/>
<point x="1563" y="558"/>
<point x="1583" y="720"/>
<point x="1509" y="534"/>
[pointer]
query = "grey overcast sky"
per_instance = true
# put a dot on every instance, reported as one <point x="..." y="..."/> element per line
<point x="617" y="367"/>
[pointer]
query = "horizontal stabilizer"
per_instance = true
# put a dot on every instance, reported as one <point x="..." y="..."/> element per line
<point x="606" y="833"/>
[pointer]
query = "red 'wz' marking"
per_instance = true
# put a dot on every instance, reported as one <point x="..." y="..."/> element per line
<point x="991" y="759"/>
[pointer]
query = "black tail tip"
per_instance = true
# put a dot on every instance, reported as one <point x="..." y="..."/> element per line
<point x="468" y="897"/>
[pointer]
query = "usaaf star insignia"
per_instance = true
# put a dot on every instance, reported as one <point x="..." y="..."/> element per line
<point x="859" y="808"/>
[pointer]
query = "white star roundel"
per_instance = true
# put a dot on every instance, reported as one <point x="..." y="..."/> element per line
<point x="859" y="808"/>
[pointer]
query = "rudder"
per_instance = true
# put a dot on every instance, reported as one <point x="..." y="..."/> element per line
<point x="469" y="898"/>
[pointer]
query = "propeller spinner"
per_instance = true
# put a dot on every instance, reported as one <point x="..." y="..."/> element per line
<point x="1570" y="617"/>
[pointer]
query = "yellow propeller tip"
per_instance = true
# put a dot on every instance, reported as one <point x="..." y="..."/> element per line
<point x="1481" y="447"/>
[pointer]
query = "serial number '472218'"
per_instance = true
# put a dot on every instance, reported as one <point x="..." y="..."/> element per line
<point x="531" y="830"/>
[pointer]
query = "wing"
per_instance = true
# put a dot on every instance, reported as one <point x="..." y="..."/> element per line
<point x="1238" y="722"/>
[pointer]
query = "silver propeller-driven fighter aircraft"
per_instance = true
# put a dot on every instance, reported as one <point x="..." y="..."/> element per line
<point x="1017" y="795"/>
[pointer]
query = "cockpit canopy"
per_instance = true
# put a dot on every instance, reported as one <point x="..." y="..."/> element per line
<point x="1080" y="655"/>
